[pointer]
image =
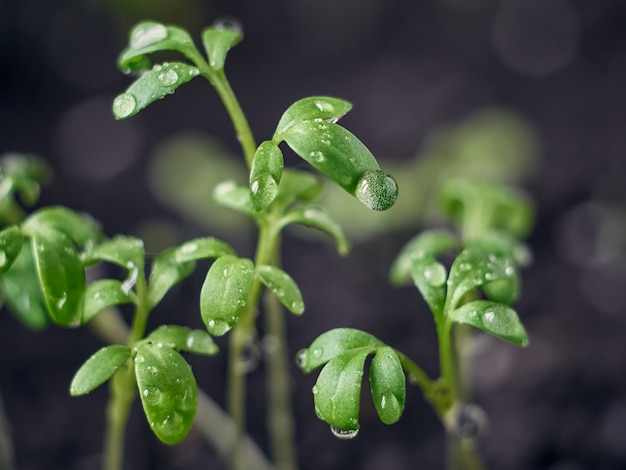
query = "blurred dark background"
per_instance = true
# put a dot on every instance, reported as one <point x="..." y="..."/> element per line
<point x="410" y="68"/>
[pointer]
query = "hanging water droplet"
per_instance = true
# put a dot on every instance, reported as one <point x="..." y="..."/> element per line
<point x="218" y="327"/>
<point x="146" y="34"/>
<point x="344" y="433"/>
<point x="124" y="105"/>
<point x="509" y="270"/>
<point x="301" y="358"/>
<point x="168" y="78"/>
<point x="315" y="389"/>
<point x="377" y="190"/>
<point x="316" y="156"/>
<point x="297" y="306"/>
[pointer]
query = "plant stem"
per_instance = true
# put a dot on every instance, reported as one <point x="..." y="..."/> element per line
<point x="462" y="454"/>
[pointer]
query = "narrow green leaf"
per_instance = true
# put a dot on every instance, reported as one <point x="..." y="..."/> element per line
<point x="429" y="277"/>
<point x="334" y="343"/>
<point x="184" y="339"/>
<point x="235" y="197"/>
<point x="20" y="288"/>
<point x="218" y="40"/>
<point x="11" y="243"/>
<point x="103" y="294"/>
<point x="317" y="217"/>
<point x="61" y="275"/>
<point x="324" y="108"/>
<point x="99" y="368"/>
<point x="265" y="174"/>
<point x="167" y="271"/>
<point x="338" y="154"/>
<point x="225" y="293"/>
<point x="494" y="318"/>
<point x="121" y="250"/>
<point x="282" y="286"/>
<point x="167" y="389"/>
<point x="202" y="248"/>
<point x="160" y="81"/>
<point x="387" y="383"/>
<point x="80" y="228"/>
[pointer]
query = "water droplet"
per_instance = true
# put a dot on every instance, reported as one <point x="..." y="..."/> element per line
<point x="152" y="369"/>
<point x="194" y="71"/>
<point x="140" y="359"/>
<point x="3" y="258"/>
<point x="490" y="276"/>
<point x="325" y="141"/>
<point x="316" y="156"/>
<point x="377" y="190"/>
<point x="509" y="270"/>
<point x="218" y="327"/>
<point x="61" y="301"/>
<point x="228" y="23"/>
<point x="297" y="306"/>
<point x="188" y="248"/>
<point x="315" y="389"/>
<point x="301" y="358"/>
<point x="168" y="78"/>
<point x="344" y="433"/>
<point x="254" y="187"/>
<point x="325" y="106"/>
<point x="317" y="352"/>
<point x="383" y="402"/>
<point x="146" y="34"/>
<point x="146" y="392"/>
<point x="435" y="274"/>
<point x="124" y="105"/>
<point x="465" y="267"/>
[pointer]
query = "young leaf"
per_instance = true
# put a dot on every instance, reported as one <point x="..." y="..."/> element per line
<point x="218" y="40"/>
<point x="429" y="277"/>
<point x="297" y="185"/>
<point x="184" y="339"/>
<point x="167" y="389"/>
<point x="265" y="174"/>
<point x="102" y="294"/>
<point x="225" y="292"/>
<point x="148" y="37"/>
<point x="167" y="271"/>
<point x="61" y="275"/>
<point x="160" y="81"/>
<point x="202" y="248"/>
<point x="20" y="288"/>
<point x="11" y="243"/>
<point x="338" y="154"/>
<point x="80" y="228"/>
<point x="121" y="250"/>
<point x="99" y="368"/>
<point x="494" y="318"/>
<point x="387" y="384"/>
<point x="324" y="108"/>
<point x="282" y="286"/>
<point x="235" y="197"/>
<point x="317" y="217"/>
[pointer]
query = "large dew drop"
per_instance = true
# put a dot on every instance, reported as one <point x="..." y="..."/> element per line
<point x="344" y="433"/>
<point x="168" y="78"/>
<point x="377" y="190"/>
<point x="124" y="105"/>
<point x="146" y="34"/>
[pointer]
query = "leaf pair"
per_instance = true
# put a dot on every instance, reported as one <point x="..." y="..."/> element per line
<point x="343" y="352"/>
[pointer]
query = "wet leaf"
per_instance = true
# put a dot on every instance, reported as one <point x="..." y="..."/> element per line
<point x="103" y="294"/>
<point x="167" y="271"/>
<point x="80" y="228"/>
<point x="99" y="368"/>
<point x="282" y="286"/>
<point x="387" y="383"/>
<point x="121" y="250"/>
<point x="217" y="42"/>
<point x="235" y="197"/>
<point x="11" y="243"/>
<point x="184" y="339"/>
<point x="297" y="185"/>
<point x="323" y="108"/>
<point x="265" y="175"/>
<point x="167" y="389"/>
<point x="429" y="276"/>
<point x="202" y="248"/>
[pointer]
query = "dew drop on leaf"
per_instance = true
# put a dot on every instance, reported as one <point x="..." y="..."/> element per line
<point x="301" y="358"/>
<point x="124" y="105"/>
<point x="317" y="352"/>
<point x="147" y="34"/>
<point x="168" y="78"/>
<point x="435" y="274"/>
<point x="316" y="156"/>
<point x="377" y="190"/>
<point x="218" y="327"/>
<point x="344" y="433"/>
<point x="3" y="258"/>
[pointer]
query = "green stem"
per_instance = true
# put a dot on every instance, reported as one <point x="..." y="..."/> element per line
<point x="462" y="454"/>
<point x="416" y="374"/>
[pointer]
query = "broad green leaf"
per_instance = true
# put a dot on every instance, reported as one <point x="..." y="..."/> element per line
<point x="387" y="384"/>
<point x="229" y="194"/>
<point x="99" y="368"/>
<point x="20" y="288"/>
<point x="475" y="267"/>
<point x="217" y="41"/>
<point x="167" y="271"/>
<point x="335" y="343"/>
<point x="167" y="389"/>
<point x="282" y="286"/>
<point x="265" y="174"/>
<point x="225" y="293"/>
<point x="429" y="277"/>
<point x="155" y="84"/>
<point x="124" y="251"/>
<point x="11" y="243"/>
<point x="324" y="108"/>
<point x="61" y="275"/>
<point x="148" y="37"/>
<point x="494" y="318"/>
<point x="202" y="248"/>
<point x="337" y="391"/>
<point x="428" y="244"/>
<point x="102" y="294"/>
<point x="317" y="217"/>
<point x="338" y="154"/>
<point x="80" y="228"/>
<point x="184" y="339"/>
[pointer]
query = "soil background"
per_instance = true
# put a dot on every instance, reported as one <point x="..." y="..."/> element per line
<point x="409" y="67"/>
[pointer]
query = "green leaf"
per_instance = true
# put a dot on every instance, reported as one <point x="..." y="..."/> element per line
<point x="61" y="275"/>
<point x="20" y="288"/>
<point x="99" y="368"/>
<point x="297" y="185"/>
<point x="235" y="197"/>
<point x="218" y="40"/>
<point x="317" y="217"/>
<point x="80" y="228"/>
<point x="202" y="248"/>
<point x="338" y="154"/>
<point x="265" y="174"/>
<point x="184" y="339"/>
<point x="225" y="293"/>
<point x="308" y="109"/>
<point x="426" y="245"/>
<point x="494" y="318"/>
<point x="102" y="294"/>
<point x="334" y="343"/>
<point x="282" y="286"/>
<point x="160" y="81"/>
<point x="387" y="384"/>
<point x="124" y="251"/>
<point x="475" y="267"/>
<point x="167" y="389"/>
<point x="148" y="37"/>
<point x="11" y="243"/>
<point x="429" y="277"/>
